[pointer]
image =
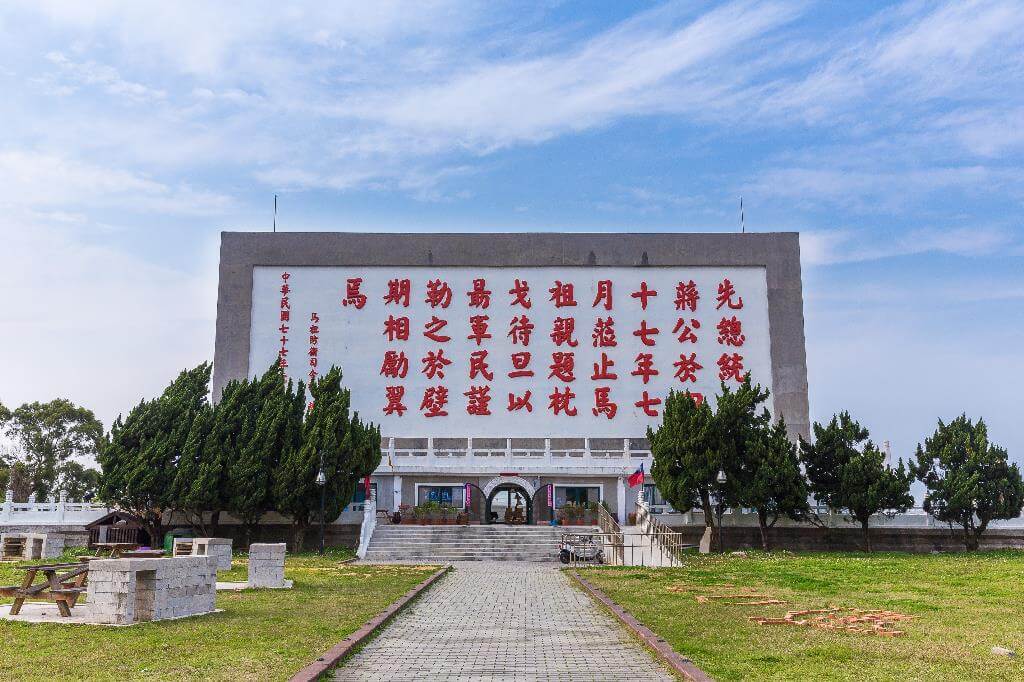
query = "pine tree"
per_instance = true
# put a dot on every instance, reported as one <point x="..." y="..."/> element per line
<point x="774" y="484"/>
<point x="348" y="449"/>
<point x="847" y="471"/>
<point x="969" y="480"/>
<point x="197" y="482"/>
<point x="140" y="456"/>
<point x="257" y="448"/>
<point x="685" y="449"/>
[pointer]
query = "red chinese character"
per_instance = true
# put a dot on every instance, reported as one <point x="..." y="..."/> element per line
<point x="313" y="351"/>
<point x="285" y="289"/>
<point x="603" y="403"/>
<point x="520" y="330"/>
<point x="313" y="317"/>
<point x="601" y="370"/>
<point x="604" y="333"/>
<point x="604" y="293"/>
<point x="399" y="291"/>
<point x="520" y="361"/>
<point x="480" y="296"/>
<point x="730" y="332"/>
<point x="478" y="328"/>
<point x="352" y="295"/>
<point x="285" y="315"/>
<point x="285" y="305"/>
<point x="521" y="294"/>
<point x="643" y="295"/>
<point x="479" y="400"/>
<point x="312" y="375"/>
<point x="687" y="296"/>
<point x="563" y="330"/>
<point x="438" y="294"/>
<point x="647" y="403"/>
<point x="434" y="363"/>
<point x="725" y="293"/>
<point x="562" y="402"/>
<point x="285" y="275"/>
<point x="644" y="332"/>
<point x="519" y="402"/>
<point x="478" y="365"/>
<point x="562" y="294"/>
<point x="283" y="329"/>
<point x="686" y="367"/>
<point x="431" y="329"/>
<point x="394" y="396"/>
<point x="562" y="366"/>
<point x="282" y="361"/>
<point x="434" y="400"/>
<point x="395" y="365"/>
<point x="687" y="331"/>
<point x="730" y="367"/>
<point x="396" y="328"/>
<point x="697" y="398"/>
<point x="645" y="367"/>
<point x="313" y="339"/>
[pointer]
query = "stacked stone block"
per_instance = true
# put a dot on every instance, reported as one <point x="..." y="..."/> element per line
<point x="126" y="591"/>
<point x="34" y="545"/>
<point x="266" y="565"/>
<point x="220" y="548"/>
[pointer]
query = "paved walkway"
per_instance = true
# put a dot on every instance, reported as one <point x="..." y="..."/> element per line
<point x="503" y="621"/>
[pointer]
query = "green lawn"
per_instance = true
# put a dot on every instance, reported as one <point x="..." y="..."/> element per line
<point x="964" y="604"/>
<point x="261" y="634"/>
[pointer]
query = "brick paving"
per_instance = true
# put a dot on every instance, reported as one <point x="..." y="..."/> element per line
<point x="503" y="621"/>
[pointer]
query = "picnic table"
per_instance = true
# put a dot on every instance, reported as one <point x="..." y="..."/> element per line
<point x="110" y="550"/>
<point x="63" y="584"/>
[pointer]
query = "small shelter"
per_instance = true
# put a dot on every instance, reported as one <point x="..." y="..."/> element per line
<point x="118" y="526"/>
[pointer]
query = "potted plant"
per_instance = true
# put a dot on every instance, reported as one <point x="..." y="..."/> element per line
<point x="632" y="518"/>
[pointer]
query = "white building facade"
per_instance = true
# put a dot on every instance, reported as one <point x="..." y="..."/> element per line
<point x="515" y="374"/>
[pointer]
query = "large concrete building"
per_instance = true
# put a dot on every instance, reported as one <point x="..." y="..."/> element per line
<point x="516" y="370"/>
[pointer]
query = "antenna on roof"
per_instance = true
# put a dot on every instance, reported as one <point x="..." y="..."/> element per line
<point x="275" y="213"/>
<point x="743" y="221"/>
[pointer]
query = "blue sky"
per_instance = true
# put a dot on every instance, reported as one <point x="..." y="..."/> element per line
<point x="890" y="135"/>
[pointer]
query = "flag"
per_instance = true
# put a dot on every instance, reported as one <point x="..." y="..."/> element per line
<point x="637" y="478"/>
<point x="366" y="486"/>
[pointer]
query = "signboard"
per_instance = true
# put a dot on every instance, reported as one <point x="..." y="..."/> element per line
<point x="525" y="352"/>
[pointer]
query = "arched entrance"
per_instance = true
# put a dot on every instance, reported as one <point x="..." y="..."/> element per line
<point x="509" y="503"/>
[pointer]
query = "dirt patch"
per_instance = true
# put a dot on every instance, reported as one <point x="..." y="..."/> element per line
<point x="871" y="622"/>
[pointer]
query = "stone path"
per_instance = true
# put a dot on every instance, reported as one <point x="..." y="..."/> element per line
<point x="503" y="621"/>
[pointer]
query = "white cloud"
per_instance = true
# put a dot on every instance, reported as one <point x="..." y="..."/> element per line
<point x="821" y="247"/>
<point x="43" y="180"/>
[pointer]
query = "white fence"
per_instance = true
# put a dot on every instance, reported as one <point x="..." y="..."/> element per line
<point x="915" y="517"/>
<point x="51" y="513"/>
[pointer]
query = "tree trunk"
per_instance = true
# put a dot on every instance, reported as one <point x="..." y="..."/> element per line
<point x="215" y="523"/>
<point x="298" y="535"/>
<point x="867" y="535"/>
<point x="762" y="521"/>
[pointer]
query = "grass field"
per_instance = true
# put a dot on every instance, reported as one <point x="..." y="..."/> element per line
<point x="963" y="605"/>
<point x="261" y="634"/>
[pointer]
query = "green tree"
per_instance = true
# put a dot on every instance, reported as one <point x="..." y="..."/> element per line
<point x="140" y="456"/>
<point x="198" y="481"/>
<point x="846" y="471"/>
<point x="685" y="449"/>
<point x="50" y="439"/>
<point x="347" y="448"/>
<point x="265" y="406"/>
<point x="969" y="480"/>
<point x="774" y="485"/>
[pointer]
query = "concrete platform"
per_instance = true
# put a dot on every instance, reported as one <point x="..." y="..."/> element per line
<point x="46" y="612"/>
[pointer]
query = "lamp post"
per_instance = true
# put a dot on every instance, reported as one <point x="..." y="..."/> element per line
<point x="719" y="505"/>
<point x="321" y="480"/>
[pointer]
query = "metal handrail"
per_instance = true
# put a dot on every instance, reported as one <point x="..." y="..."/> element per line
<point x="671" y="541"/>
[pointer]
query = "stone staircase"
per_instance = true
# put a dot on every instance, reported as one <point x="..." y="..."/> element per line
<point x="465" y="543"/>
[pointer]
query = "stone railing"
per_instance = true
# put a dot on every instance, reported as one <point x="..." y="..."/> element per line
<point x="368" y="526"/>
<point x="52" y="512"/>
<point x="508" y="458"/>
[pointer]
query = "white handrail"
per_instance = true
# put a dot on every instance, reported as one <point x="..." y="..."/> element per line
<point x="369" y="524"/>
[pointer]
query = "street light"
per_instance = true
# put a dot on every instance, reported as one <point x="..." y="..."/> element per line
<point x="321" y="480"/>
<point x="719" y="505"/>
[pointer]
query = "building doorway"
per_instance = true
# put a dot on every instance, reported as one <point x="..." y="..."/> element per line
<point x="509" y="503"/>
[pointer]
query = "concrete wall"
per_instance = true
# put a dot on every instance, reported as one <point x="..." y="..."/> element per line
<point x="852" y="540"/>
<point x="779" y="253"/>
